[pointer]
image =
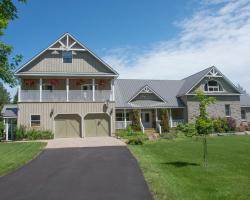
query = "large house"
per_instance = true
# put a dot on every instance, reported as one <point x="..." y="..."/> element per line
<point x="67" y="89"/>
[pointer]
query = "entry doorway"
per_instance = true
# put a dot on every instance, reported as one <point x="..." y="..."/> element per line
<point x="146" y="119"/>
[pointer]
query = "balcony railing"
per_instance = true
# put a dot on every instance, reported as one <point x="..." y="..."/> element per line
<point x="61" y="95"/>
<point x="122" y="124"/>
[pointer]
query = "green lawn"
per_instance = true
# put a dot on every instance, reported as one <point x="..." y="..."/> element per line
<point x="173" y="168"/>
<point x="14" y="155"/>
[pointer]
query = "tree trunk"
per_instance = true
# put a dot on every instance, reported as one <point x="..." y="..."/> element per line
<point x="205" y="150"/>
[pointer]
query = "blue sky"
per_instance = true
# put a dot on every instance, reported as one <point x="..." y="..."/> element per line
<point x="160" y="39"/>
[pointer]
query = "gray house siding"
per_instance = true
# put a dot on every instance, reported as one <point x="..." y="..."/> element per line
<point x="48" y="111"/>
<point x="82" y="62"/>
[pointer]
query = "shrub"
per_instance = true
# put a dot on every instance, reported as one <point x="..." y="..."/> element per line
<point x="135" y="141"/>
<point x="1" y="129"/>
<point x="188" y="129"/>
<point x="231" y="122"/>
<point x="136" y="120"/>
<point x="129" y="133"/>
<point x="22" y="133"/>
<point x="164" y="120"/>
<point x="220" y="125"/>
<point x="169" y="136"/>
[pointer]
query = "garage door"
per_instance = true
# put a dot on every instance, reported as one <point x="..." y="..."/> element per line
<point x="67" y="126"/>
<point x="97" y="125"/>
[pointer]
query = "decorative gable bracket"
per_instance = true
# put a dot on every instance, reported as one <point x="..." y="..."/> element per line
<point x="213" y="73"/>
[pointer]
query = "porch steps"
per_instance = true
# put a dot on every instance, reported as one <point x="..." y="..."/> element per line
<point x="151" y="133"/>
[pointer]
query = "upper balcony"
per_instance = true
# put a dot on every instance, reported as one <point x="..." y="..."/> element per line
<point x="66" y="90"/>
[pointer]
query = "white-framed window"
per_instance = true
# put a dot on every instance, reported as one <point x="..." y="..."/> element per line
<point x="119" y="116"/>
<point x="243" y="114"/>
<point x="35" y="120"/>
<point x="47" y="86"/>
<point x="88" y="87"/>
<point x="213" y="86"/>
<point x="67" y="56"/>
<point x="228" y="110"/>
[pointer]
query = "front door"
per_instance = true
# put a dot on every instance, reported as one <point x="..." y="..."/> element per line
<point x="146" y="118"/>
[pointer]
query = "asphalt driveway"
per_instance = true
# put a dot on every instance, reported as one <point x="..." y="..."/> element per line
<point x="96" y="173"/>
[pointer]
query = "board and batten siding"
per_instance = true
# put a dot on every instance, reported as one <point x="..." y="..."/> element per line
<point x="48" y="111"/>
<point x="82" y="62"/>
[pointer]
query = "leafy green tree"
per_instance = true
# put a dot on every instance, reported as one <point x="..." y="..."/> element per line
<point x="4" y="96"/>
<point x="136" y="120"/>
<point x="15" y="98"/>
<point x="8" y="12"/>
<point x="204" y="124"/>
<point x="164" y="120"/>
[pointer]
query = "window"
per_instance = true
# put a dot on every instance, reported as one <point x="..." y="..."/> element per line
<point x="35" y="120"/>
<point x="47" y="87"/>
<point x="243" y="114"/>
<point x="120" y="116"/>
<point x="67" y="56"/>
<point x="227" y="110"/>
<point x="213" y="86"/>
<point x="88" y="87"/>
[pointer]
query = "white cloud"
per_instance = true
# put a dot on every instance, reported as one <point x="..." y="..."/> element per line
<point x="217" y="34"/>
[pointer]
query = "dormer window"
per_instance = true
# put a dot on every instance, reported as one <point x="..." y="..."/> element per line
<point x="67" y="56"/>
<point x="213" y="86"/>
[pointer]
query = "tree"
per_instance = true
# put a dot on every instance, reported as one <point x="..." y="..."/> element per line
<point x="136" y="120"/>
<point x="203" y="124"/>
<point x="15" y="98"/>
<point x="164" y="120"/>
<point x="8" y="12"/>
<point x="4" y="96"/>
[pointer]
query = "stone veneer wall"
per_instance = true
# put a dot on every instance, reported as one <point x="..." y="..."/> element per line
<point x="217" y="109"/>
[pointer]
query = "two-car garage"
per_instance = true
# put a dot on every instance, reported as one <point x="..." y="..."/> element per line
<point x="70" y="125"/>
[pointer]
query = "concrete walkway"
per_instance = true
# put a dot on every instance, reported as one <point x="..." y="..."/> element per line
<point x="84" y="142"/>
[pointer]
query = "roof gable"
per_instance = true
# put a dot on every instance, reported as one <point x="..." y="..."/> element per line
<point x="192" y="81"/>
<point x="67" y="42"/>
<point x="147" y="90"/>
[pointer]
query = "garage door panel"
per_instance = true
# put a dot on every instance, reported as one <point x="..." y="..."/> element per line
<point x="67" y="126"/>
<point x="97" y="125"/>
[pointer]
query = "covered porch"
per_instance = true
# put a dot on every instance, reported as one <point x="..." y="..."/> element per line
<point x="149" y="118"/>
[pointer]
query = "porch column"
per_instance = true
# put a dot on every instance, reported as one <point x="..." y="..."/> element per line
<point x="93" y="89"/>
<point x="170" y="118"/>
<point x="112" y="90"/>
<point x="40" y="88"/>
<point x="67" y="89"/>
<point x="19" y="91"/>
<point x="156" y="115"/>
<point x="6" y="129"/>
<point x="125" y="120"/>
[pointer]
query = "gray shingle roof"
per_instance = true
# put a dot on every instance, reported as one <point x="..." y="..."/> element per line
<point x="190" y="81"/>
<point x="245" y="100"/>
<point x="125" y="89"/>
<point x="9" y="111"/>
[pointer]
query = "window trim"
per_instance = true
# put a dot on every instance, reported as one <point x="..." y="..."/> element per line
<point x="208" y="87"/>
<point x="89" y="84"/>
<point x="243" y="119"/>
<point x="230" y="112"/>
<point x="71" y="57"/>
<point x="122" y="117"/>
<point x="35" y="120"/>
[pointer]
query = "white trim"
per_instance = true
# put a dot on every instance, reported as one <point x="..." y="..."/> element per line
<point x="40" y="89"/>
<point x="19" y="92"/>
<point x="218" y="83"/>
<point x="7" y="130"/>
<point x="113" y="90"/>
<point x="93" y="89"/>
<point x="170" y="118"/>
<point x="152" y="91"/>
<point x="67" y="89"/>
<point x="66" y="74"/>
<point x="35" y="120"/>
<point x="125" y="118"/>
<point x="62" y="49"/>
<point x="58" y="40"/>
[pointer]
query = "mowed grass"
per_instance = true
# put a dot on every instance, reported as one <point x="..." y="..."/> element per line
<point x="14" y="155"/>
<point x="174" y="170"/>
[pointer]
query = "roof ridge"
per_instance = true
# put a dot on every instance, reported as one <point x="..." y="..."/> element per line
<point x="198" y="72"/>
